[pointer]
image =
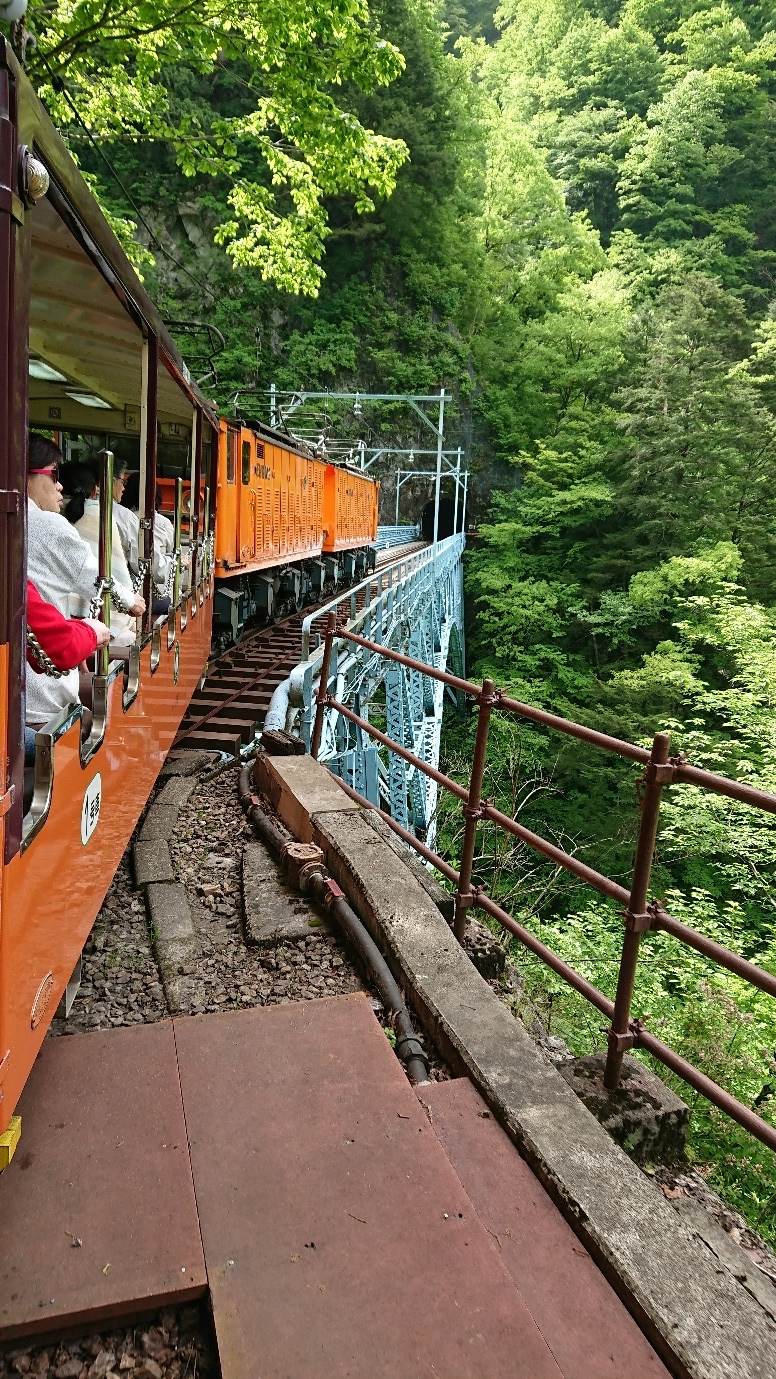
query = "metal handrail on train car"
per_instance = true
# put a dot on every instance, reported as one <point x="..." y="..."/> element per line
<point x="639" y="915"/>
<point x="176" y="579"/>
<point x="43" y="789"/>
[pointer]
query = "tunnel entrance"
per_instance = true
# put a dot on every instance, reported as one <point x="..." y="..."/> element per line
<point x="447" y="522"/>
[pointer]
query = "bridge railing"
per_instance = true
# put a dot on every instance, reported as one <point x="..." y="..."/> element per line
<point x="389" y="586"/>
<point x="660" y="769"/>
<point x="395" y="536"/>
<point x="415" y="603"/>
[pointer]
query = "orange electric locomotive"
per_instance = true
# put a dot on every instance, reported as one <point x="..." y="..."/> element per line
<point x="290" y="527"/>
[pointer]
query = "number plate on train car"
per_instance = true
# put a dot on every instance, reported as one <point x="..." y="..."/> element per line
<point x="90" y="812"/>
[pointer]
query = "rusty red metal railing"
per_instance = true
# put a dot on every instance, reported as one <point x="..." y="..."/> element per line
<point x="661" y="769"/>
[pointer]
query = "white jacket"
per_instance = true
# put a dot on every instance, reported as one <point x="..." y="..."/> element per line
<point x="129" y="527"/>
<point x="47" y="696"/>
<point x="60" y="563"/>
<point x="64" y="571"/>
<point x="122" y="625"/>
<point x="127" y="523"/>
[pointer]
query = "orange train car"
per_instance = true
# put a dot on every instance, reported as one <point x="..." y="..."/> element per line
<point x="86" y="356"/>
<point x="350" y="501"/>
<point x="270" y="501"/>
<point x="290" y="527"/>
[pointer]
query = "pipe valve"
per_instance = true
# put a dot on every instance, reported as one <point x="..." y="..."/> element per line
<point x="300" y="861"/>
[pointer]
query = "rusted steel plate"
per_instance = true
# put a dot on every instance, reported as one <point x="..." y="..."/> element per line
<point x="102" y="1161"/>
<point x="585" y="1324"/>
<point x="338" y="1239"/>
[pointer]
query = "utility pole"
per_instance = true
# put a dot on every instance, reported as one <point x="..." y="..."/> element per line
<point x="440" y="439"/>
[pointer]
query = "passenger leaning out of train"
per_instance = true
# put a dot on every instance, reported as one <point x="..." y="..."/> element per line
<point x="163" y="568"/>
<point x="56" y="647"/>
<point x="82" y="509"/>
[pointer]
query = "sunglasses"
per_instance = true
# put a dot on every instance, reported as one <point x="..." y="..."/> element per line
<point x="52" y="473"/>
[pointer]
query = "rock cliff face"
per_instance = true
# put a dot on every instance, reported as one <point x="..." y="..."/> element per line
<point x="188" y="262"/>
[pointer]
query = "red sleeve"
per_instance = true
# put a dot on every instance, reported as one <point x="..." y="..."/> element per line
<point x="66" y="640"/>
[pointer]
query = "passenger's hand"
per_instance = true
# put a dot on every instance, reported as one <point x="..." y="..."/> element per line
<point x="138" y="606"/>
<point x="103" y="632"/>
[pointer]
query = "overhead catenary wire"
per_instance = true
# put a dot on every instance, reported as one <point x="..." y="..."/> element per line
<point x="61" y="89"/>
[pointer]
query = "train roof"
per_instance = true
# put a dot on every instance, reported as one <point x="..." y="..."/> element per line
<point x="64" y="318"/>
<point x="275" y="437"/>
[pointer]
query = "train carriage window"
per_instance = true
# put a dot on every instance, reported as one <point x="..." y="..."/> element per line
<point x="246" y="462"/>
<point x="231" y="457"/>
<point x="175" y="456"/>
<point x="207" y="460"/>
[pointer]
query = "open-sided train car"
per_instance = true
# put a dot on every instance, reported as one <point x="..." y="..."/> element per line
<point x="290" y="527"/>
<point x="83" y="355"/>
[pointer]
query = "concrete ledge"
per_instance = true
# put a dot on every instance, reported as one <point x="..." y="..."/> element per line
<point x="702" y="1225"/>
<point x="174" y="793"/>
<point x="702" y="1319"/>
<point x="187" y="762"/>
<point x="297" y="788"/>
<point x="174" y="936"/>
<point x="444" y="900"/>
<point x="152" y="862"/>
<point x="159" y="824"/>
<point x="175" y="940"/>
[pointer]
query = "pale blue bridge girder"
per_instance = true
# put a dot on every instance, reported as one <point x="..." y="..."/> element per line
<point x="413" y="605"/>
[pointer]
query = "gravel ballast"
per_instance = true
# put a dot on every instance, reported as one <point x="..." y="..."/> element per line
<point x="175" y="1344"/>
<point x="121" y="985"/>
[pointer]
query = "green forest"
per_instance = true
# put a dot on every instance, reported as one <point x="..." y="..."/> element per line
<point x="565" y="213"/>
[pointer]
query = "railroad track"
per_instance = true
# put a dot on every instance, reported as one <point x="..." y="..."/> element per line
<point x="224" y="714"/>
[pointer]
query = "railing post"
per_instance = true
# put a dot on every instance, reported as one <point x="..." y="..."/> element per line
<point x="206" y="533"/>
<point x="473" y="809"/>
<point x="105" y="549"/>
<point x="620" y="1036"/>
<point x="176" y="587"/>
<point x="323" y="687"/>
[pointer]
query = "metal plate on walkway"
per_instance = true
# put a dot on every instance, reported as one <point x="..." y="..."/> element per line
<point x="338" y="1239"/>
<point x="97" y="1210"/>
<point x="585" y="1324"/>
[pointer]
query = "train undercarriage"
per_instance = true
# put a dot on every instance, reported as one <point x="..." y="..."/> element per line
<point x="259" y="597"/>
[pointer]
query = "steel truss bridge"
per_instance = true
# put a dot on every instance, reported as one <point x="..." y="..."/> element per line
<point x="413" y="605"/>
